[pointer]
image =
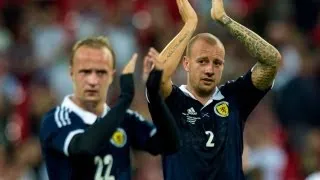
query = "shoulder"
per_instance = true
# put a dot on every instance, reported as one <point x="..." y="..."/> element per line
<point x="48" y="123"/>
<point x="175" y="94"/>
<point x="55" y="119"/>
<point x="176" y="89"/>
<point x="131" y="114"/>
<point x="241" y="83"/>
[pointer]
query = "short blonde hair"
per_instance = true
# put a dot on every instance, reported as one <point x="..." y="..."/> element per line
<point x="93" y="42"/>
<point x="209" y="38"/>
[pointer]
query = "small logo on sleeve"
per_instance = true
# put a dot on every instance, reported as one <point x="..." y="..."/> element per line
<point x="119" y="138"/>
<point x="222" y="109"/>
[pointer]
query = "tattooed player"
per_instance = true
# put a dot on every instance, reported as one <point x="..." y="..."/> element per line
<point x="211" y="118"/>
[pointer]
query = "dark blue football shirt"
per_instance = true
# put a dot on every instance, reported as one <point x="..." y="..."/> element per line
<point x="211" y="134"/>
<point x="111" y="163"/>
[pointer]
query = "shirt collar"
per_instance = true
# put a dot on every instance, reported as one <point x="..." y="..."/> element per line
<point x="86" y="116"/>
<point x="217" y="95"/>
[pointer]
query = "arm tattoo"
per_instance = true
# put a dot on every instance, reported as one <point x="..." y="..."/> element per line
<point x="268" y="57"/>
<point x="174" y="48"/>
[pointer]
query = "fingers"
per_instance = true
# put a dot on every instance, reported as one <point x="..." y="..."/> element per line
<point x="130" y="67"/>
<point x="179" y="4"/>
<point x="181" y="9"/>
<point x="158" y="65"/>
<point x="151" y="60"/>
<point x="154" y="51"/>
<point x="147" y="64"/>
<point x="186" y="11"/>
<point x="217" y="10"/>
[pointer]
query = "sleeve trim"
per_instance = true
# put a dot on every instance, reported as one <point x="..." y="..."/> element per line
<point x="69" y="138"/>
<point x="153" y="132"/>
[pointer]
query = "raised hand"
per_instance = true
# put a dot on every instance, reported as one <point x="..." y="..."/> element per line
<point x="217" y="10"/>
<point x="130" y="67"/>
<point x="151" y="60"/>
<point x="186" y="11"/>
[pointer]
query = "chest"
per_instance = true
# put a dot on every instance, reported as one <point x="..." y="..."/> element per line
<point x="208" y="127"/>
<point x="118" y="145"/>
<point x="112" y="161"/>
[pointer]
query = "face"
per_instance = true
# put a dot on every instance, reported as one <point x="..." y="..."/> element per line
<point x="204" y="67"/>
<point x="92" y="73"/>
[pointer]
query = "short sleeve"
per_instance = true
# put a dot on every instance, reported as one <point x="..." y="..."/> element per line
<point x="246" y="94"/>
<point x="58" y="128"/>
<point x="140" y="130"/>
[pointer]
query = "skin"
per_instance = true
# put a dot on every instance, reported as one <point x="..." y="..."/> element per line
<point x="268" y="57"/>
<point x="173" y="52"/>
<point x="204" y="67"/>
<point x="263" y="74"/>
<point x="91" y="74"/>
<point x="204" y="76"/>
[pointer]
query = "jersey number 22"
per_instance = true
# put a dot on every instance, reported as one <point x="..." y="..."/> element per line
<point x="103" y="163"/>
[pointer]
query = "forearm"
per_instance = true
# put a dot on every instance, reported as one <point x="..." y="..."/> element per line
<point x="172" y="53"/>
<point x="268" y="57"/>
<point x="166" y="139"/>
<point x="264" y="52"/>
<point x="96" y="136"/>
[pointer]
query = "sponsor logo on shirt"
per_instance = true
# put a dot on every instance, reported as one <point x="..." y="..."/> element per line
<point x="191" y="116"/>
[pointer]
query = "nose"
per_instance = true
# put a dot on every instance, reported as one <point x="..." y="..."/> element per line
<point x="209" y="70"/>
<point x="93" y="79"/>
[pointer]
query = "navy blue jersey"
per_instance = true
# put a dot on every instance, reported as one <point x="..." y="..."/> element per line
<point x="113" y="160"/>
<point x="211" y="134"/>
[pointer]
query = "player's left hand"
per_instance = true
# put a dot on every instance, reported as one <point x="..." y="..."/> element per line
<point x="217" y="10"/>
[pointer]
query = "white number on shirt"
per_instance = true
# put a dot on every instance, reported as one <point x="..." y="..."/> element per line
<point x="210" y="139"/>
<point x="105" y="163"/>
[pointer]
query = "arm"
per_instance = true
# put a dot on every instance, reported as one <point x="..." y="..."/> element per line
<point x="91" y="141"/>
<point x="166" y="139"/>
<point x="268" y="57"/>
<point x="172" y="53"/>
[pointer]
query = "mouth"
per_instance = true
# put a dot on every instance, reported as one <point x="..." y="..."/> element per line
<point x="207" y="80"/>
<point x="91" y="91"/>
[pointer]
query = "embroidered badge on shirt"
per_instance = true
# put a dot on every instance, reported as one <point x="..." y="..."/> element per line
<point x="222" y="109"/>
<point x="119" y="138"/>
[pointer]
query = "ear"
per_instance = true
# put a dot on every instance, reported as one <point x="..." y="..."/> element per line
<point x="186" y="63"/>
<point x="71" y="72"/>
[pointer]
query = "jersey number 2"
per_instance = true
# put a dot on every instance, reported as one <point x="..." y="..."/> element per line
<point x="107" y="162"/>
<point x="210" y="139"/>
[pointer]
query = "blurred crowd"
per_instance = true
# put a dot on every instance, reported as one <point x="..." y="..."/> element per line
<point x="282" y="135"/>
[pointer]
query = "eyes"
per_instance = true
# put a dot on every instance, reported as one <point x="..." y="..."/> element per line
<point x="88" y="72"/>
<point x="205" y="61"/>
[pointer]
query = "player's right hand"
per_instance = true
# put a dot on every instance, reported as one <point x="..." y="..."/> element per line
<point x="187" y="12"/>
<point x="130" y="67"/>
<point x="217" y="10"/>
